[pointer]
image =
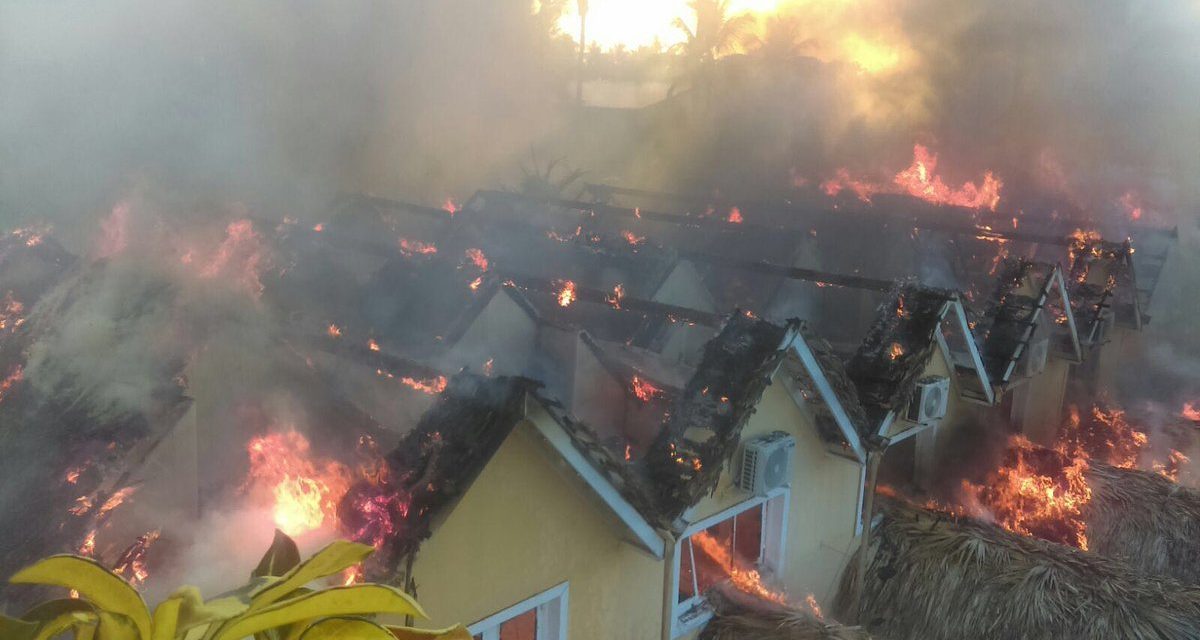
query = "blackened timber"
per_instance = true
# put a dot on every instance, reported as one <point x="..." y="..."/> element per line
<point x="681" y="314"/>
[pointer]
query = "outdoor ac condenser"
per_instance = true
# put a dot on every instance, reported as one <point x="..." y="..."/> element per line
<point x="929" y="401"/>
<point x="766" y="463"/>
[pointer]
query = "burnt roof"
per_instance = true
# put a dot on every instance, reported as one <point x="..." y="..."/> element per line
<point x="705" y="423"/>
<point x="892" y="357"/>
<point x="436" y="462"/>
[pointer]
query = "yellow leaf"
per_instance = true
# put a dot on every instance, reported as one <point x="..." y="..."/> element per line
<point x="17" y="629"/>
<point x="457" y="632"/>
<point x="328" y="561"/>
<point x="95" y="583"/>
<point x="343" y="629"/>
<point x="166" y="617"/>
<point x="71" y="620"/>
<point x="117" y="627"/>
<point x="357" y="599"/>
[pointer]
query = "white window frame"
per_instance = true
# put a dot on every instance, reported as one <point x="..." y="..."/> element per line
<point x="693" y="613"/>
<point x="551" y="608"/>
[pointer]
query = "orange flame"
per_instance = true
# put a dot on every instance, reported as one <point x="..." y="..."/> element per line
<point x="1190" y="412"/>
<point x="478" y="259"/>
<point x="920" y="180"/>
<point x="372" y="345"/>
<point x="896" y="350"/>
<point x="632" y="239"/>
<point x="747" y="580"/>
<point x="240" y="257"/>
<point x="617" y="295"/>
<point x="412" y="248"/>
<point x="450" y="206"/>
<point x="11" y="312"/>
<point x="304" y="491"/>
<point x="6" y="384"/>
<point x="334" y="331"/>
<point x="644" y="390"/>
<point x="735" y="216"/>
<point x="566" y="293"/>
<point x="1132" y="205"/>
<point x="432" y="386"/>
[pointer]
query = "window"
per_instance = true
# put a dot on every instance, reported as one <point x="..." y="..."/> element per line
<point x="542" y="617"/>
<point x="732" y="545"/>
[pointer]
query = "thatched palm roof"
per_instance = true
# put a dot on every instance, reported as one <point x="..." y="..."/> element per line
<point x="1145" y="519"/>
<point x="737" y="618"/>
<point x="935" y="577"/>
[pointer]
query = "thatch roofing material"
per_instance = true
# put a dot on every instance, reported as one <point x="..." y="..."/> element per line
<point x="739" y="618"/>
<point x="934" y="577"/>
<point x="1145" y="519"/>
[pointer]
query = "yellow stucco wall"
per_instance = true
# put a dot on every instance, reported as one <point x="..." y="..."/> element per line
<point x="1038" y="402"/>
<point x="526" y="525"/>
<point x="824" y="499"/>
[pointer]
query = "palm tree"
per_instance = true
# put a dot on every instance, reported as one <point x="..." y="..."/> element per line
<point x="716" y="34"/>
<point x="780" y="41"/>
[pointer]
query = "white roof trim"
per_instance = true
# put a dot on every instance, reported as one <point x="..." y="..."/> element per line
<point x="646" y="536"/>
<point x="800" y="347"/>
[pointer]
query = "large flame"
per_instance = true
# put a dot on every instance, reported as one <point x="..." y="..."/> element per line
<point x="921" y="180"/>
<point x="304" y="490"/>
<point x="744" y="578"/>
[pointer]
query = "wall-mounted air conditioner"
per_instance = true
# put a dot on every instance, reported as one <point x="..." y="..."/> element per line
<point x="766" y="463"/>
<point x="930" y="399"/>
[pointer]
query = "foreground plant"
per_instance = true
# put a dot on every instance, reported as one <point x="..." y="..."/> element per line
<point x="277" y="604"/>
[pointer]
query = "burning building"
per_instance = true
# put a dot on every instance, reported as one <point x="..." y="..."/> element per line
<point x="504" y="482"/>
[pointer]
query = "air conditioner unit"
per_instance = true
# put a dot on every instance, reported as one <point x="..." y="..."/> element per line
<point x="929" y="400"/>
<point x="1036" y="354"/>
<point x="766" y="463"/>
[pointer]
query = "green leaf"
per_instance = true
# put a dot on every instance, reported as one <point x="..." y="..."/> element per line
<point x="358" y="599"/>
<point x="280" y="558"/>
<point x="334" y="558"/>
<point x="103" y="588"/>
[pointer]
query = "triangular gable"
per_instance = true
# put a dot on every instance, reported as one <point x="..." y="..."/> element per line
<point x="1028" y="297"/>
<point x="816" y="379"/>
<point x="960" y="346"/>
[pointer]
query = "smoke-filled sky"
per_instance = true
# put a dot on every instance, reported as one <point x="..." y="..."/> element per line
<point x="281" y="104"/>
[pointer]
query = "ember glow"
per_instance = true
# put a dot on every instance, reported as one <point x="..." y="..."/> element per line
<point x="240" y="258"/>
<point x="132" y="563"/>
<point x="333" y="331"/>
<point x="735" y="216"/>
<point x="304" y="490"/>
<point x="12" y="312"/>
<point x="632" y="239"/>
<point x="450" y="206"/>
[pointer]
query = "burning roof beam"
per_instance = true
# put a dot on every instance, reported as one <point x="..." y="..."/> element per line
<point x="682" y="314"/>
<point x="602" y="192"/>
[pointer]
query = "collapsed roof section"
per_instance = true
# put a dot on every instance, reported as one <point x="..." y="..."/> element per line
<point x="1103" y="286"/>
<point x="910" y="325"/>
<point x="1030" y="303"/>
